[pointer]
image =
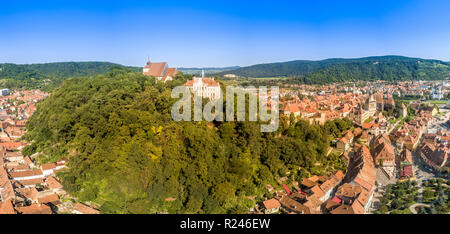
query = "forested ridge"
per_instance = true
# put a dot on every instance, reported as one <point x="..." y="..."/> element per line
<point x="389" y="68"/>
<point x="49" y="75"/>
<point x="127" y="155"/>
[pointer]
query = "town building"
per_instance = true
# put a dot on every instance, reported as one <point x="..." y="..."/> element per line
<point x="205" y="87"/>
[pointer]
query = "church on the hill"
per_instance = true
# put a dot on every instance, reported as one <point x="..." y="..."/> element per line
<point x="161" y="71"/>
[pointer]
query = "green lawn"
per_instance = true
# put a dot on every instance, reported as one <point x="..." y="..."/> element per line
<point x="443" y="102"/>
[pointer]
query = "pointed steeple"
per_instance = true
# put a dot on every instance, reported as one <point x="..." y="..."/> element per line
<point x="203" y="73"/>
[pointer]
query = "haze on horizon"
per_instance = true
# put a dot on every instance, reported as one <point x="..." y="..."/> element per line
<point x="221" y="33"/>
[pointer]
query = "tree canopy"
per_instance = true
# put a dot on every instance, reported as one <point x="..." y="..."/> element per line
<point x="127" y="154"/>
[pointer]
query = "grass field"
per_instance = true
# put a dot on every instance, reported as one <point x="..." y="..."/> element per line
<point x="443" y="102"/>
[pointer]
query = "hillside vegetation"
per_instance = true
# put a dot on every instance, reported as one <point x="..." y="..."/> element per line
<point x="43" y="75"/>
<point x="387" y="68"/>
<point x="127" y="155"/>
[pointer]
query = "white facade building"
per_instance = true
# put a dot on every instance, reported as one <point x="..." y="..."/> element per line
<point x="205" y="87"/>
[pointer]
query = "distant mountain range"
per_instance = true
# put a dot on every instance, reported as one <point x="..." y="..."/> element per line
<point x="339" y="69"/>
<point x="208" y="70"/>
<point x="300" y="71"/>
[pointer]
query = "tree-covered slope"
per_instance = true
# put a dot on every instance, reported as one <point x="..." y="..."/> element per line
<point x="127" y="155"/>
<point x="333" y="70"/>
<point x="38" y="75"/>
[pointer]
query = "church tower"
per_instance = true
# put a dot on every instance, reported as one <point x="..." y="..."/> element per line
<point x="371" y="104"/>
<point x="147" y="66"/>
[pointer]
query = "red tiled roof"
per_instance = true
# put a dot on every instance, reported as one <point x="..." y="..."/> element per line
<point x="53" y="183"/>
<point x="156" y="69"/>
<point x="25" y="173"/>
<point x="52" y="198"/>
<point x="6" y="207"/>
<point x="85" y="209"/>
<point x="271" y="203"/>
<point x="35" y="209"/>
<point x="48" y="166"/>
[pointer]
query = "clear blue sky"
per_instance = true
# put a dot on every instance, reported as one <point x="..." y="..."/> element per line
<point x="221" y="33"/>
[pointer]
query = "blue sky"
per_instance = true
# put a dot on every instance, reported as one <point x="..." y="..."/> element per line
<point x="221" y="33"/>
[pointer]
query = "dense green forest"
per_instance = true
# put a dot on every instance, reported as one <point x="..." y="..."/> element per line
<point x="207" y="70"/>
<point x="387" y="68"/>
<point x="49" y="75"/>
<point x="127" y="155"/>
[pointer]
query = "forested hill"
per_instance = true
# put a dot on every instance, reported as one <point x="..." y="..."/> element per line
<point x="207" y="70"/>
<point x="127" y="155"/>
<point x="37" y="75"/>
<point x="333" y="70"/>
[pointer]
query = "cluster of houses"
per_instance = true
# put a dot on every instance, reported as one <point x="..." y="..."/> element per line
<point x="339" y="193"/>
<point x="308" y="196"/>
<point x="27" y="187"/>
<point x="366" y="148"/>
<point x="434" y="150"/>
<point x="363" y="109"/>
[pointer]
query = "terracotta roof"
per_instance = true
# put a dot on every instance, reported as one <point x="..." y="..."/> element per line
<point x="3" y="175"/>
<point x="8" y="191"/>
<point x="339" y="175"/>
<point x="13" y="154"/>
<point x="355" y="208"/>
<point x="52" y="198"/>
<point x="438" y="157"/>
<point x="329" y="184"/>
<point x="364" y="196"/>
<point x="12" y="145"/>
<point x="406" y="156"/>
<point x="84" y="209"/>
<point x="308" y="183"/>
<point x="271" y="203"/>
<point x="53" y="183"/>
<point x="156" y="69"/>
<point x="313" y="202"/>
<point x="317" y="191"/>
<point x="28" y="160"/>
<point x="331" y="205"/>
<point x="31" y="182"/>
<point x="348" y="190"/>
<point x="48" y="166"/>
<point x="170" y="72"/>
<point x="6" y="207"/>
<point x="206" y="81"/>
<point x="19" y="174"/>
<point x="28" y="192"/>
<point x="19" y="167"/>
<point x="35" y="209"/>
<point x="294" y="206"/>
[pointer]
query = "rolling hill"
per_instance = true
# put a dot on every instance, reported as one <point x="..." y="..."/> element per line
<point x="38" y="75"/>
<point x="208" y="70"/>
<point x="338" y="69"/>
